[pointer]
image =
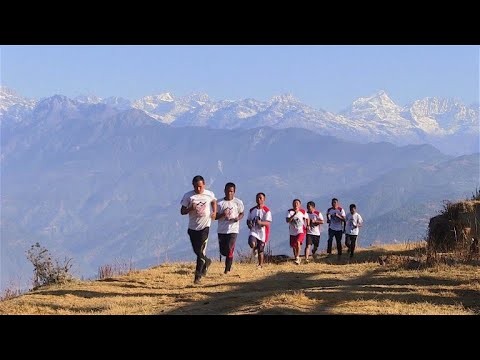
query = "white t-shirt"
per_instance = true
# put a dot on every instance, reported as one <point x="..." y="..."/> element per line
<point x="353" y="221"/>
<point x="298" y="223"/>
<point x="315" y="229"/>
<point x="335" y="222"/>
<point x="200" y="218"/>
<point x="256" y="214"/>
<point x="231" y="209"/>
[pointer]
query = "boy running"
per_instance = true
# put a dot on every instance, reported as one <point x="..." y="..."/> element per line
<point x="258" y="221"/>
<point x="335" y="220"/>
<point x="298" y="221"/>
<point x="201" y="206"/>
<point x="229" y="213"/>
<point x="353" y="223"/>
<point x="314" y="230"/>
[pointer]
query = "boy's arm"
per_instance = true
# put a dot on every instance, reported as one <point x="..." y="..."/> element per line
<point x="219" y="216"/>
<point x="214" y="206"/>
<point x="187" y="205"/>
<point x="263" y="222"/>
<point x="360" y="221"/>
<point x="185" y="210"/>
<point x="268" y="217"/>
<point x="240" y="217"/>
<point x="340" y="216"/>
<point x="249" y="222"/>
<point x="289" y="219"/>
<point x="320" y="218"/>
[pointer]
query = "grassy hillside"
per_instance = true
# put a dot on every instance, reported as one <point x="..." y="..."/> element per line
<point x="326" y="286"/>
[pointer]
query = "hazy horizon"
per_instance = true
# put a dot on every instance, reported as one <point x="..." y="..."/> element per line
<point x="324" y="77"/>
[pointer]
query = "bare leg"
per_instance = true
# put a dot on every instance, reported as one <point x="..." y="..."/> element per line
<point x="307" y="252"/>
<point x="260" y="259"/>
<point x="297" y="251"/>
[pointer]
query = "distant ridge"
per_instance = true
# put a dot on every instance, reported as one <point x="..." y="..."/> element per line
<point x="441" y="122"/>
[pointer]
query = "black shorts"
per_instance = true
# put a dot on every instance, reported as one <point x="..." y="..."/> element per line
<point x="227" y="244"/>
<point x="198" y="236"/>
<point x="256" y="244"/>
<point x="350" y="238"/>
<point x="313" y="239"/>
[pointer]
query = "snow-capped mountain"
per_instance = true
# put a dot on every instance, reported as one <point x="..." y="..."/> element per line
<point x="167" y="108"/>
<point x="448" y="115"/>
<point x="373" y="118"/>
<point x="9" y="98"/>
<point x="432" y="115"/>
<point x="377" y="117"/>
<point x="376" y="108"/>
<point x="13" y="105"/>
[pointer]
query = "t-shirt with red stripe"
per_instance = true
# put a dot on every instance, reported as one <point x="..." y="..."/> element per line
<point x="262" y="233"/>
<point x="299" y="222"/>
<point x="315" y="229"/>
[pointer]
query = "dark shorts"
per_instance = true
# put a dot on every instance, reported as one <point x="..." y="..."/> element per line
<point x="198" y="236"/>
<point x="256" y="244"/>
<point x="350" y="238"/>
<point x="227" y="244"/>
<point x="335" y="233"/>
<point x="313" y="239"/>
<point x="297" y="238"/>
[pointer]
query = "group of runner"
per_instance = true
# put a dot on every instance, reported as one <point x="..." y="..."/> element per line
<point x="202" y="207"/>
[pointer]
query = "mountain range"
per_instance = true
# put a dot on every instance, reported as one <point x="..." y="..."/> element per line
<point x="100" y="182"/>
<point x="446" y="123"/>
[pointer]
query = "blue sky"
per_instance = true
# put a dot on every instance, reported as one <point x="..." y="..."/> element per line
<point x="326" y="77"/>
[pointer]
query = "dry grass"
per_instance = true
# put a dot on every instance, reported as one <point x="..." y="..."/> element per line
<point x="326" y="286"/>
<point x="118" y="268"/>
<point x="10" y="293"/>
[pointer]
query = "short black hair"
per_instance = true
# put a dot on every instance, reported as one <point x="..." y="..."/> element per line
<point x="197" y="179"/>
<point x="334" y="199"/>
<point x="230" y="184"/>
<point x="311" y="203"/>
<point x="261" y="193"/>
<point x="296" y="200"/>
<point x="353" y="206"/>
